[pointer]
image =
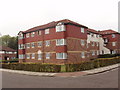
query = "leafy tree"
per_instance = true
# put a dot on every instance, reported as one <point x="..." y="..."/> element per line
<point x="9" y="41"/>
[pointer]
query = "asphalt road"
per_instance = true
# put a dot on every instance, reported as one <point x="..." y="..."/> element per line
<point x="107" y="79"/>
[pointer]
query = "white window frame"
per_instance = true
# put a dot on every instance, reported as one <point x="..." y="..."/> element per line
<point x="27" y="35"/>
<point x="33" y="55"/>
<point x="21" y="46"/>
<point x="39" y="32"/>
<point x="113" y="43"/>
<point x="33" y="45"/>
<point x="61" y="55"/>
<point x="93" y="53"/>
<point x="114" y="52"/>
<point x="60" y="27"/>
<point x="93" y="43"/>
<point x="27" y="45"/>
<point x="47" y="55"/>
<point x="47" y="43"/>
<point x="82" y="54"/>
<point x="21" y="56"/>
<point x="27" y="56"/>
<point x="98" y="52"/>
<point x="60" y="42"/>
<point x="82" y="30"/>
<point x="113" y="35"/>
<point x="40" y="56"/>
<point x="39" y="44"/>
<point x="82" y="42"/>
<point x="47" y="31"/>
<point x="32" y="34"/>
<point x="97" y="43"/>
<point x="21" y="36"/>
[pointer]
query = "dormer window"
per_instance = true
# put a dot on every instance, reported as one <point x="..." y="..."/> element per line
<point x="21" y="36"/>
<point x="113" y="35"/>
<point x="60" y="27"/>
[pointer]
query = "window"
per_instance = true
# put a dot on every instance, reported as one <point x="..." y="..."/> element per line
<point x="32" y="34"/>
<point x="114" y="52"/>
<point x="82" y="42"/>
<point x="39" y="56"/>
<point x="92" y="34"/>
<point x="28" y="45"/>
<point x="40" y="44"/>
<point x="82" y="30"/>
<point x="97" y="43"/>
<point x="21" y="46"/>
<point x="47" y="43"/>
<point x="93" y="43"/>
<point x="28" y="56"/>
<point x="61" y="56"/>
<point x="27" y="35"/>
<point x="33" y="45"/>
<point x="60" y="42"/>
<point x="113" y="43"/>
<point x="15" y="52"/>
<point x="97" y="35"/>
<point x="21" y="36"/>
<point x="113" y="35"/>
<point x="83" y="55"/>
<point x="93" y="53"/>
<point x="2" y="52"/>
<point x="39" y="32"/>
<point x="33" y="55"/>
<point x="21" y="56"/>
<point x="97" y="52"/>
<point x="47" y="55"/>
<point x="60" y="27"/>
<point x="46" y="31"/>
<point x="87" y="45"/>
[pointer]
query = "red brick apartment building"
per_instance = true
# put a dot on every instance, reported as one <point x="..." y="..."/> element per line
<point x="61" y="42"/>
<point x="112" y="40"/>
<point x="7" y="53"/>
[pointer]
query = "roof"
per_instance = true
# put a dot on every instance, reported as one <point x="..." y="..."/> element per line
<point x="4" y="48"/>
<point x="93" y="31"/>
<point x="53" y="24"/>
<point x="107" y="32"/>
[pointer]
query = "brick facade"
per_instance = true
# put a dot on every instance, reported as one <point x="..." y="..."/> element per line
<point x="75" y="43"/>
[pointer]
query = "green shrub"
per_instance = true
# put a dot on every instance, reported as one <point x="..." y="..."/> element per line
<point x="33" y="67"/>
<point x="108" y="55"/>
<point x="100" y="62"/>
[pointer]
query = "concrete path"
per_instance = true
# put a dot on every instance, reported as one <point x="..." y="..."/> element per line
<point x="65" y="74"/>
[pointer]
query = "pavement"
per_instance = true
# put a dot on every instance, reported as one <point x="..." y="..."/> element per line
<point x="64" y="74"/>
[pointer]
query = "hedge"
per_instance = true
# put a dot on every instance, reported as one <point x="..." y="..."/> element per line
<point x="32" y="67"/>
<point x="108" y="55"/>
<point x="10" y="61"/>
<point x="87" y="65"/>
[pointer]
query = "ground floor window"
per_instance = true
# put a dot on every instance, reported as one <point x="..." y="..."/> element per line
<point x="82" y="54"/>
<point x="33" y="55"/>
<point x="39" y="56"/>
<point x="21" y="56"/>
<point x="28" y="56"/>
<point x="93" y="53"/>
<point x="47" y="55"/>
<point x="61" y="56"/>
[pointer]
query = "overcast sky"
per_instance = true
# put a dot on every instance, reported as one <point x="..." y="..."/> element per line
<point x="20" y="15"/>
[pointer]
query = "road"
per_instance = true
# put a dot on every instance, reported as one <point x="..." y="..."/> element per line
<point x="107" y="79"/>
